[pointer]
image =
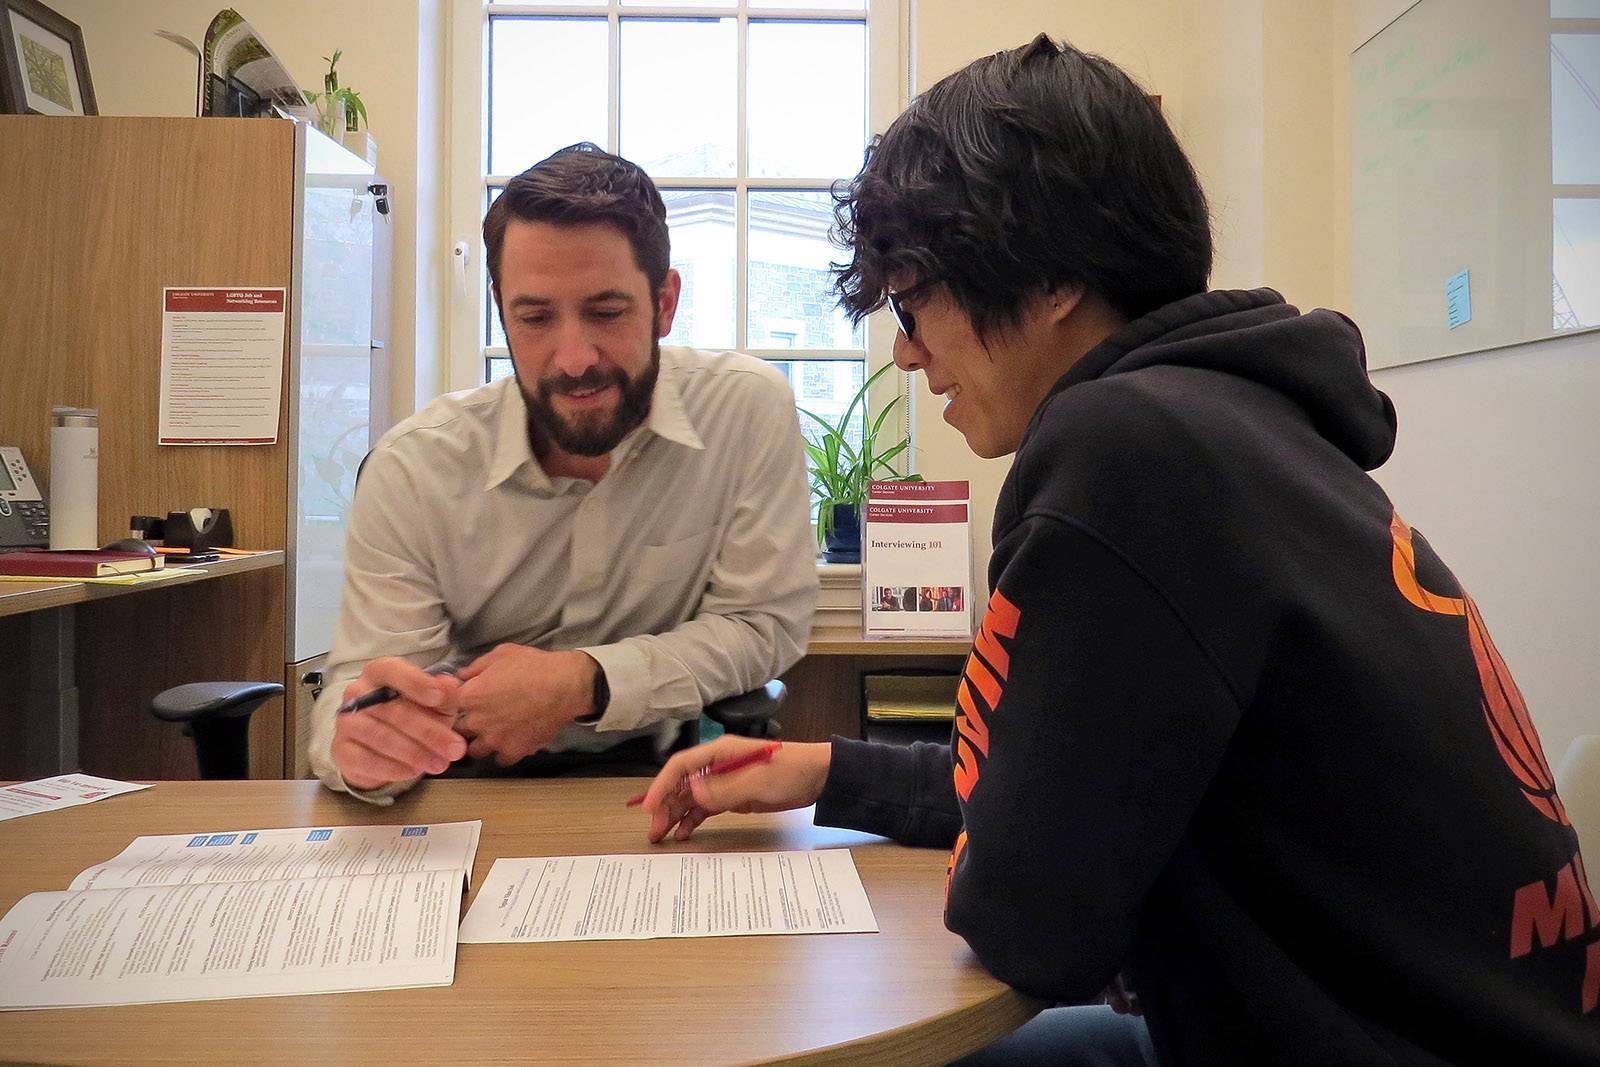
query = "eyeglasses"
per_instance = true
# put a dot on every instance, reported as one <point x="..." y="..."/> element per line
<point x="902" y="318"/>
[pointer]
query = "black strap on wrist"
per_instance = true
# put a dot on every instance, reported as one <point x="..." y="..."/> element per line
<point x="601" y="698"/>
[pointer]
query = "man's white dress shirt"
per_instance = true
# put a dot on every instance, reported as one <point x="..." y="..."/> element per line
<point x="688" y="572"/>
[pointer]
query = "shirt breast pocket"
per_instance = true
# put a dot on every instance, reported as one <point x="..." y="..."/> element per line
<point x="675" y="561"/>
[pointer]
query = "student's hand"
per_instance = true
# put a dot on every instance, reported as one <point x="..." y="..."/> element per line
<point x="1122" y="997"/>
<point x="515" y="699"/>
<point x="680" y="796"/>
<point x="403" y="738"/>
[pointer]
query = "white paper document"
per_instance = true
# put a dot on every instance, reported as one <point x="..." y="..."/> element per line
<point x="292" y="852"/>
<point x="244" y="913"/>
<point x="62" y="791"/>
<point x="608" y="898"/>
<point x="221" y="366"/>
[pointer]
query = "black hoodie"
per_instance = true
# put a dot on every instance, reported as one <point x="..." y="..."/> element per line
<point x="1231" y="727"/>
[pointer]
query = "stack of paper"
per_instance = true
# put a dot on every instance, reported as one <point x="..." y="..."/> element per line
<point x="916" y="698"/>
<point x="838" y="598"/>
<point x="245" y="913"/>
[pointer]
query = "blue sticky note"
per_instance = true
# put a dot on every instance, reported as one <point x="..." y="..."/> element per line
<point x="1458" y="298"/>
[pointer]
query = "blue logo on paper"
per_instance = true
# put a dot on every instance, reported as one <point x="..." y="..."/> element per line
<point x="1458" y="299"/>
<point x="196" y="842"/>
<point x="222" y="839"/>
<point x="247" y="839"/>
<point x="319" y="835"/>
<point x="414" y="831"/>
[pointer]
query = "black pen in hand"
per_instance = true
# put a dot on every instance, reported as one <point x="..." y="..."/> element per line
<point x="383" y="694"/>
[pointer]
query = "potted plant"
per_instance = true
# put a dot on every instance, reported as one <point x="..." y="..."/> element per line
<point x="841" y="471"/>
<point x="340" y="109"/>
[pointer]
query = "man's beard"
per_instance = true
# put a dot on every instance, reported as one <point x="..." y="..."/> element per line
<point x="593" y="433"/>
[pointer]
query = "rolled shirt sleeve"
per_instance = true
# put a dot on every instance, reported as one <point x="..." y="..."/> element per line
<point x="391" y="607"/>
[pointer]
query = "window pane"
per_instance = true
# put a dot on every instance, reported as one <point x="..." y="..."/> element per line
<point x="547" y="88"/>
<point x="680" y="3"/>
<point x="499" y="367"/>
<point x="1577" y="264"/>
<point x="1575" y="9"/>
<point x="837" y="5"/>
<point x="1574" y="110"/>
<point x="825" y="387"/>
<point x="807" y="108"/>
<point x="791" y="299"/>
<point x="492" y="330"/>
<point x="678" y="96"/>
<point x="701" y="225"/>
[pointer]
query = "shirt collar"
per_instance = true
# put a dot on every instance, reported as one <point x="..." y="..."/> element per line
<point x="667" y="418"/>
<point x="513" y="452"/>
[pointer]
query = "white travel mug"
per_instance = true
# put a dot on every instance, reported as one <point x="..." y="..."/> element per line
<point x="74" y="478"/>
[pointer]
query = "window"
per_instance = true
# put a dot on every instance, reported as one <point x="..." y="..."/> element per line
<point x="1575" y="163"/>
<point x="745" y="112"/>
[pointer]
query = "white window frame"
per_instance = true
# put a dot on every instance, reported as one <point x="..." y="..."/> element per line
<point x="888" y="82"/>
<point x="1570" y="27"/>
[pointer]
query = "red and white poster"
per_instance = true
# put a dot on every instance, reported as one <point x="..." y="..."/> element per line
<point x="916" y="560"/>
<point x="221" y="366"/>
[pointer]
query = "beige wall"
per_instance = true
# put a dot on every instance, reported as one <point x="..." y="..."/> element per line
<point x="137" y="73"/>
<point x="1306" y="152"/>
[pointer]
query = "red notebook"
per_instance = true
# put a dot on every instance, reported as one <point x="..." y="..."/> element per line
<point x="46" y="564"/>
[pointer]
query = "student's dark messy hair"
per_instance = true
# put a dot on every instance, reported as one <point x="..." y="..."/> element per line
<point x="1033" y="168"/>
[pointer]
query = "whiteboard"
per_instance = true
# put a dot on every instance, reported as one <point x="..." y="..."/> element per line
<point x="1475" y="191"/>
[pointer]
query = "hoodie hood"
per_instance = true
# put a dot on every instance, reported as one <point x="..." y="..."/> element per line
<point x="1316" y="359"/>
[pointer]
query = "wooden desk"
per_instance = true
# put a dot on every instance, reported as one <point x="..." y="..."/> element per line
<point x="18" y="598"/>
<point x="912" y="994"/>
<point x="139" y="644"/>
<point x="825" y="690"/>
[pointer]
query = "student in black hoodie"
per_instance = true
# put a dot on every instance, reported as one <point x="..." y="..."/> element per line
<point x="1230" y="728"/>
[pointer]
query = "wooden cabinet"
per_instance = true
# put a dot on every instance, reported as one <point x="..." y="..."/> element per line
<point x="97" y="215"/>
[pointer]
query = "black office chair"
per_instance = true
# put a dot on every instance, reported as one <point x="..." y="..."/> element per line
<point x="217" y="716"/>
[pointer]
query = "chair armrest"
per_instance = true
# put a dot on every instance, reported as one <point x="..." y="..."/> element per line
<point x="212" y="700"/>
<point x="750" y="714"/>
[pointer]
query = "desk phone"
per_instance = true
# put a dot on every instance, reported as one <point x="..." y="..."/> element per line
<point x="24" y="516"/>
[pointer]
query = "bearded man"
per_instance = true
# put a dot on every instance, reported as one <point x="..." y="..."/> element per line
<point x="598" y="547"/>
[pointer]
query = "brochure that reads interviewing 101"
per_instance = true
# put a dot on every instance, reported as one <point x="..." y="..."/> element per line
<point x="916" y="560"/>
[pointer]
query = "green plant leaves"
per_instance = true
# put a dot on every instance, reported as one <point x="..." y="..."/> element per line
<point x="840" y="472"/>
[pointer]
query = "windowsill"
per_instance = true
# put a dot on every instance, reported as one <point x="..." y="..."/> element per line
<point x="839" y="573"/>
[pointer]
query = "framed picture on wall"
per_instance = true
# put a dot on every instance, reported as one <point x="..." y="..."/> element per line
<point x="43" y="68"/>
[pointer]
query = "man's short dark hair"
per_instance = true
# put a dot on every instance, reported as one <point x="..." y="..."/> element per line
<point x="582" y="184"/>
<point x="1033" y="168"/>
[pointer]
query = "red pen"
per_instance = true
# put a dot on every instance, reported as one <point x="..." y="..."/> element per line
<point x="738" y="763"/>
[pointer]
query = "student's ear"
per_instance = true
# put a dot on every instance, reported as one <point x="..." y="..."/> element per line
<point x="667" y="301"/>
<point x="1059" y="303"/>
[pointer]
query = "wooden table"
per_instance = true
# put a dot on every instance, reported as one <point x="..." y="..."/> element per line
<point x="911" y="994"/>
<point x="51" y="723"/>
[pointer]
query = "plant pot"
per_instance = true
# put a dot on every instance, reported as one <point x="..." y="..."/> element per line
<point x="844" y="540"/>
